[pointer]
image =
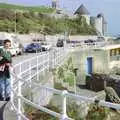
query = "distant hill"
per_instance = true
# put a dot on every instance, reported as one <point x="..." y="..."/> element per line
<point x="41" y="9"/>
<point x="27" y="21"/>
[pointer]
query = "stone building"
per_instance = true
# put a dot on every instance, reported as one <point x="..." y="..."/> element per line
<point x="82" y="11"/>
<point x="98" y="21"/>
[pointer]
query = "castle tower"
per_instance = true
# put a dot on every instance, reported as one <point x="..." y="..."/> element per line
<point x="101" y="24"/>
<point x="55" y="4"/>
<point x="82" y="11"/>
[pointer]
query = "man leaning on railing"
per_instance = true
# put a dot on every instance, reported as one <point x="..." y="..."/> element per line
<point x="5" y="63"/>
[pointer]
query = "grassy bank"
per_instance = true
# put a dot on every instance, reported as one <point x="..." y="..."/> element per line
<point x="41" y="9"/>
<point x="34" y="19"/>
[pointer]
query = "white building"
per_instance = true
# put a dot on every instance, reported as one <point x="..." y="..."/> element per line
<point x="100" y="24"/>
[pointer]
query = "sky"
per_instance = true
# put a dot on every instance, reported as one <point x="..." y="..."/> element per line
<point x="110" y="8"/>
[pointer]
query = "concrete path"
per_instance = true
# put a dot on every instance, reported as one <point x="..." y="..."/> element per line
<point x="5" y="111"/>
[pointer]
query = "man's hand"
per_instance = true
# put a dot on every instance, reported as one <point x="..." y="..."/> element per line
<point x="8" y="64"/>
<point x="1" y="58"/>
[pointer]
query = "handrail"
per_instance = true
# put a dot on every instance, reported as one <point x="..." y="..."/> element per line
<point x="21" y="81"/>
<point x="78" y="97"/>
<point x="87" y="99"/>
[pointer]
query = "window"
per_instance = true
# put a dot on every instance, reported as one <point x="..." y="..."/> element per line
<point x="119" y="51"/>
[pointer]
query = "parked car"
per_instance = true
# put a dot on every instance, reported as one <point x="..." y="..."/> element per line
<point x="33" y="47"/>
<point x="89" y="41"/>
<point x="60" y="43"/>
<point x="46" y="47"/>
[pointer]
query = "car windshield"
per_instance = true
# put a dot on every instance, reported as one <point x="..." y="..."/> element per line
<point x="32" y="44"/>
<point x="1" y="42"/>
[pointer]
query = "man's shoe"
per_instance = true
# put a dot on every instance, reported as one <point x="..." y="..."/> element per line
<point x="2" y="98"/>
<point x="7" y="99"/>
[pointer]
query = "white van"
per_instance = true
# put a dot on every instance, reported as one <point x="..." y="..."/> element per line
<point x="15" y="43"/>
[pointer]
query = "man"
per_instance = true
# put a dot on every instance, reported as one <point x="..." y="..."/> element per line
<point x="5" y="63"/>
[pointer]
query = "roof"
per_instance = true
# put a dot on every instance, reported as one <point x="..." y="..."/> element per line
<point x="109" y="47"/>
<point x="82" y="10"/>
<point x="102" y="15"/>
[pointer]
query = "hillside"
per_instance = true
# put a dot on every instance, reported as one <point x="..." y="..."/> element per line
<point x="35" y="19"/>
<point x="41" y="9"/>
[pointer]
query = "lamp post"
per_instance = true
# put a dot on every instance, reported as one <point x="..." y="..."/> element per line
<point x="75" y="74"/>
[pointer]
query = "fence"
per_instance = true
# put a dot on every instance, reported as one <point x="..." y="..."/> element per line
<point x="26" y="70"/>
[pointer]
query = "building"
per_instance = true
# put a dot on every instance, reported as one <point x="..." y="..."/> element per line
<point x="100" y="24"/>
<point x="82" y="11"/>
<point x="55" y="4"/>
<point x="102" y="60"/>
<point x="99" y="21"/>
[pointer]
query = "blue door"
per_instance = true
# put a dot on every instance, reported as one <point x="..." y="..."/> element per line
<point x="89" y="66"/>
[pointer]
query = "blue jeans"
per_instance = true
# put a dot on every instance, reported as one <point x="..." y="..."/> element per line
<point x="5" y="87"/>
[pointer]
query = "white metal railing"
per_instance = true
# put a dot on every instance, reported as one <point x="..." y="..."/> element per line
<point x="64" y="95"/>
<point x="26" y="70"/>
<point x="29" y="68"/>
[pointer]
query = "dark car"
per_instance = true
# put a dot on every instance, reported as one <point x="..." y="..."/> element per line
<point x="60" y="43"/>
<point x="33" y="47"/>
<point x="89" y="41"/>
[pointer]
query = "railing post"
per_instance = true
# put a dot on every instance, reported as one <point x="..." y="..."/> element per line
<point x="30" y="71"/>
<point x="12" y="80"/>
<point x="53" y="59"/>
<point x="19" y="95"/>
<point x="37" y="70"/>
<point x="75" y="84"/>
<point x="64" y="108"/>
<point x="48" y="61"/>
<point x="44" y="59"/>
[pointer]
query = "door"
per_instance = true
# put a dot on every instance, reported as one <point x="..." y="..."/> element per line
<point x="89" y="66"/>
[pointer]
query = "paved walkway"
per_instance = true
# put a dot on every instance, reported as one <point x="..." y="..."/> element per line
<point x="5" y="112"/>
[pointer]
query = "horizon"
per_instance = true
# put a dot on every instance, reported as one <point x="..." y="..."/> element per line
<point x="110" y="8"/>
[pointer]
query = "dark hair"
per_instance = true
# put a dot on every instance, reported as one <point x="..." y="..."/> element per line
<point x="7" y="40"/>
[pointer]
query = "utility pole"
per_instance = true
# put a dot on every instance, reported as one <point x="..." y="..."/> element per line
<point x="15" y="29"/>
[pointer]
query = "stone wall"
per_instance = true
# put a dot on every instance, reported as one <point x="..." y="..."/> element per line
<point x="97" y="82"/>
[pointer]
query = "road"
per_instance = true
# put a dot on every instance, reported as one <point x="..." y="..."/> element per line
<point x="25" y="56"/>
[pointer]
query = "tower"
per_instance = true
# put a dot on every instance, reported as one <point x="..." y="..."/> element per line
<point x="100" y="24"/>
<point x="82" y="11"/>
<point x="55" y="4"/>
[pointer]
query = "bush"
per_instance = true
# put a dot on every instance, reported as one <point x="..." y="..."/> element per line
<point x="34" y="114"/>
<point x="97" y="113"/>
<point x="41" y="22"/>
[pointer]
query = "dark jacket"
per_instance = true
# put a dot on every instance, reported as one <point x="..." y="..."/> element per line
<point x="7" y="58"/>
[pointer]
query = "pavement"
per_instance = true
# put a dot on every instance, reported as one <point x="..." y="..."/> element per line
<point x="5" y="111"/>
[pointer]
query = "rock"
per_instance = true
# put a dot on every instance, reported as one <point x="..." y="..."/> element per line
<point x="111" y="95"/>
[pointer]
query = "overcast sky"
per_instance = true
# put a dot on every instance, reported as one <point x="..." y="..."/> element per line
<point x="110" y="8"/>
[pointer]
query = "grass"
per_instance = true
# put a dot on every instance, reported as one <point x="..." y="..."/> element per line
<point x="95" y="112"/>
<point x="41" y="9"/>
<point x="34" y="114"/>
<point x="59" y="86"/>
